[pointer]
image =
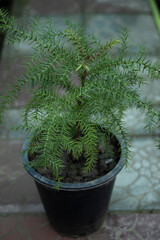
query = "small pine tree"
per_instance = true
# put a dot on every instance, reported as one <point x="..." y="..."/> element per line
<point x="107" y="85"/>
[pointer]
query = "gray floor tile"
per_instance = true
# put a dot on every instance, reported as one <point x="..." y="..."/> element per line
<point x="137" y="186"/>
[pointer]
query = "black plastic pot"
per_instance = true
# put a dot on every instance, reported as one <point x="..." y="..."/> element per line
<point x="75" y="209"/>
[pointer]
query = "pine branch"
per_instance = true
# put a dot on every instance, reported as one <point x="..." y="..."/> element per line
<point x="6" y="100"/>
<point x="118" y="127"/>
<point x="103" y="51"/>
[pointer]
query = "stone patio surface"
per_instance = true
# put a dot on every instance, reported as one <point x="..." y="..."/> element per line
<point x="115" y="227"/>
<point x="134" y="210"/>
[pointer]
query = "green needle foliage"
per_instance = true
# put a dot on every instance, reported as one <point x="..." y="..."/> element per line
<point x="63" y="114"/>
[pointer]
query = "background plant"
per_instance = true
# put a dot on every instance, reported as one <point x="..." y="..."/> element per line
<point x="63" y="112"/>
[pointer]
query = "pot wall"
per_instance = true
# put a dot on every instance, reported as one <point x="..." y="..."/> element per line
<point x="76" y="213"/>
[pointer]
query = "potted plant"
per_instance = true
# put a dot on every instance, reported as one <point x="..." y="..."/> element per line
<point x="78" y="142"/>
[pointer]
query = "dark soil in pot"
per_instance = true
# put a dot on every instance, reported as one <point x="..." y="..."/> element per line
<point x="73" y="169"/>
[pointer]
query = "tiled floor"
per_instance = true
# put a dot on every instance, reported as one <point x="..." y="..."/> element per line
<point x="137" y="187"/>
<point x="115" y="227"/>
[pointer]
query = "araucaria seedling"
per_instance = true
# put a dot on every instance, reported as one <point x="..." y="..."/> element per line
<point x="79" y="89"/>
